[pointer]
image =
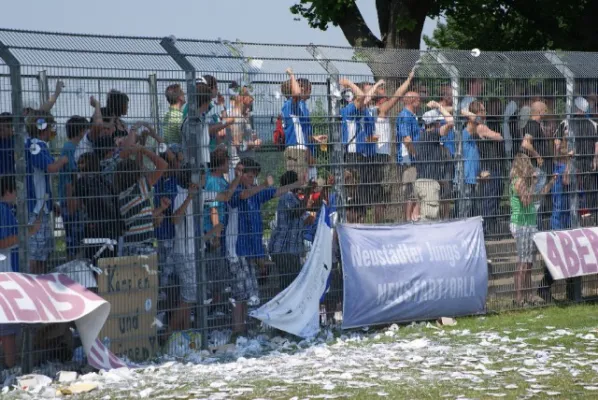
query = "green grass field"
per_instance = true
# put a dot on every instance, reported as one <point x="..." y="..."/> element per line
<point x="542" y="354"/>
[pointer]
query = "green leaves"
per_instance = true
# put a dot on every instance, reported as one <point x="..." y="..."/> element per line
<point x="511" y="25"/>
<point x="320" y="13"/>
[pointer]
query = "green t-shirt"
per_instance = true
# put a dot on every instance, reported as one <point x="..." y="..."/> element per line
<point x="521" y="215"/>
<point x="173" y="120"/>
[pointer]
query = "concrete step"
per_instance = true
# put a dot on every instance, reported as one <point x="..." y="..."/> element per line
<point x="503" y="247"/>
<point x="509" y="267"/>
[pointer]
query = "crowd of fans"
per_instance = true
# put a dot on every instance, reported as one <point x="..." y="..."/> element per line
<point x="451" y="161"/>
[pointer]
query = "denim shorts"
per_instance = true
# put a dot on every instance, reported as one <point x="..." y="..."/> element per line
<point x="41" y="245"/>
<point x="524" y="238"/>
<point x="186" y="270"/>
<point x="165" y="261"/>
<point x="244" y="279"/>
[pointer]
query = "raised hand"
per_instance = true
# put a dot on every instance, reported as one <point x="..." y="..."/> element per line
<point x="95" y="103"/>
<point x="59" y="88"/>
<point x="165" y="202"/>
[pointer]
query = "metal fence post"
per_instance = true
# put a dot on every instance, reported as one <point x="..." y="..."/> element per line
<point x="21" y="170"/>
<point x="334" y="128"/>
<point x="453" y="72"/>
<point x="194" y="156"/>
<point x="154" y="104"/>
<point x="570" y="86"/>
<point x="44" y="87"/>
<point x="569" y="76"/>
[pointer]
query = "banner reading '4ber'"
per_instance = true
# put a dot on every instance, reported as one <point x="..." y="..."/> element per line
<point x="568" y="254"/>
<point x="402" y="273"/>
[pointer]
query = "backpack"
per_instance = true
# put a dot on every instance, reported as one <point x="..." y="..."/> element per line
<point x="278" y="136"/>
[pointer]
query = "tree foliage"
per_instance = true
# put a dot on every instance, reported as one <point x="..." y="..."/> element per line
<point x="400" y="21"/>
<point x="504" y="25"/>
<point x="487" y="24"/>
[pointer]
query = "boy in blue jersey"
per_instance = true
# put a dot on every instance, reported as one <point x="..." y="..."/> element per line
<point x="299" y="140"/>
<point x="297" y="151"/>
<point x="370" y="169"/>
<point x="445" y="125"/>
<point x="215" y="214"/>
<point x="9" y="256"/>
<point x="166" y="187"/>
<point x="41" y="128"/>
<point x="358" y="123"/>
<point x="248" y="200"/>
<point x="76" y="127"/>
<point x="408" y="131"/>
<point x="358" y="135"/>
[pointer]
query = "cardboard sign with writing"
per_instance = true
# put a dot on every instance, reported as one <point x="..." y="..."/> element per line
<point x="130" y="285"/>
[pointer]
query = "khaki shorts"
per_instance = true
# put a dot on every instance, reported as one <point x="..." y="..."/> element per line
<point x="427" y="192"/>
<point x="408" y="176"/>
<point x="295" y="159"/>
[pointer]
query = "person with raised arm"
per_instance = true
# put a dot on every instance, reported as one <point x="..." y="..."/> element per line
<point x="49" y="104"/>
<point x="430" y="164"/>
<point x="524" y="221"/>
<point x="243" y="139"/>
<point x="408" y="131"/>
<point x="41" y="128"/>
<point x="248" y="199"/>
<point x="444" y="109"/>
<point x="384" y="140"/>
<point x="297" y="125"/>
<point x="475" y="128"/>
<point x="135" y="202"/>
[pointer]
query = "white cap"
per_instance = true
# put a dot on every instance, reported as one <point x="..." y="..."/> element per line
<point x="582" y="104"/>
<point x="432" y="116"/>
<point x="348" y="95"/>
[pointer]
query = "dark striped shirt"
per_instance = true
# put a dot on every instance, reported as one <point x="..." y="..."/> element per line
<point x="136" y="210"/>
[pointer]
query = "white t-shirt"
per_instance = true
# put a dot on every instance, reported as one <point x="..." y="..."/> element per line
<point x="352" y="135"/>
<point x="198" y="128"/>
<point x="184" y="231"/>
<point x="84" y="146"/>
<point x="383" y="132"/>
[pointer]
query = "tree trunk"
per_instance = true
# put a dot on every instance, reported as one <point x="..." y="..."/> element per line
<point x="355" y="29"/>
<point x="410" y="16"/>
<point x="400" y="21"/>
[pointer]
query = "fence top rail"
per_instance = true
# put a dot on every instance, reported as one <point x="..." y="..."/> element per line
<point x="143" y="53"/>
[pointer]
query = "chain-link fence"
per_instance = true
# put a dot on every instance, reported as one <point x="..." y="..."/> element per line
<point x="145" y="184"/>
